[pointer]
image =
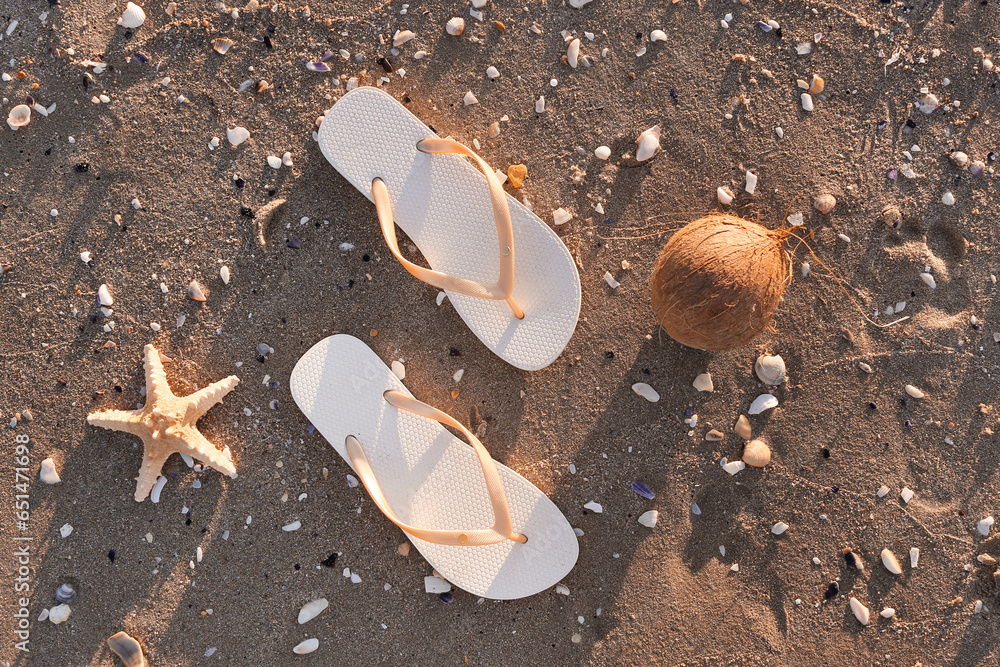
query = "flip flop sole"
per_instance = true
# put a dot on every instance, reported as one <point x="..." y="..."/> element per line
<point x="430" y="478"/>
<point x="442" y="203"/>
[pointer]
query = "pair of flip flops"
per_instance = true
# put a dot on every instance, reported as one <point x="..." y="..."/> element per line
<point x="482" y="526"/>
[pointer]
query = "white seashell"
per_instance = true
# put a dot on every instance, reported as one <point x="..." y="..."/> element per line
<point x="60" y="613"/>
<point x="959" y="158"/>
<point x="984" y="525"/>
<point x="398" y="369"/>
<point x="770" y="369"/>
<point x="573" y="53"/>
<point x="695" y="509"/>
<point x="890" y="562"/>
<point x="657" y="36"/>
<point x="824" y="203"/>
<point x="928" y="280"/>
<point x="104" y="296"/>
<point x="865" y="367"/>
<point x="807" y="102"/>
<point x="928" y="103"/>
<point x="402" y="37"/>
<point x="805" y="269"/>
<point x="724" y="195"/>
<point x="594" y="507"/>
<point x="132" y="17"/>
<point x="540" y="104"/>
<point x="888" y="612"/>
<point x="65" y="531"/>
<point x="860" y="611"/>
<point x="469" y="99"/>
<point x="762" y="403"/>
<point x="311" y="610"/>
<point x="648" y="519"/>
<point x="649" y="144"/>
<point x="19" y="116"/>
<point x="751" y="185"/>
<point x="602" y="152"/>
<point x="578" y="4"/>
<point x="646" y="392"/>
<point x="154" y="494"/>
<point x="237" y="135"/>
<point x="610" y="280"/>
<point x="779" y="528"/>
<point x="756" y="453"/>
<point x="733" y="467"/>
<point x="704" y="382"/>
<point x="561" y="216"/>
<point x="914" y="557"/>
<point x="492" y="73"/>
<point x="286" y="159"/>
<point x="47" y="473"/>
<point x="455" y="26"/>
<point x="742" y="427"/>
<point x="906" y="494"/>
<point x="274" y="161"/>
<point x="948" y="199"/>
<point x="292" y="527"/>
<point x="221" y="45"/>
<point x="224" y="274"/>
<point x="977" y="608"/>
<point x="195" y="293"/>
<point x="883" y="491"/>
<point x="562" y="589"/>
<point x="308" y="646"/>
<point x="436" y="585"/>
<point x="913" y="391"/>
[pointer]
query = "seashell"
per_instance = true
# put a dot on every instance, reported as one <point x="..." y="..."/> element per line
<point x="643" y="490"/>
<point x="237" y="135"/>
<point x="578" y="4"/>
<point x="704" y="382"/>
<point x="756" y="453"/>
<point x="224" y="274"/>
<point x="959" y="158"/>
<point x="221" y="45"/>
<point x="436" y="585"/>
<point x="492" y="72"/>
<point x="742" y="427"/>
<point x="562" y="589"/>
<point x="733" y="467"/>
<point x="195" y="293"/>
<point x="311" y="610"/>
<point x="132" y="17"/>
<point x="977" y="168"/>
<point x="984" y="525"/>
<point x="455" y="26"/>
<point x="890" y="562"/>
<point x="807" y="101"/>
<point x="913" y="391"/>
<point x="860" y="611"/>
<point x="65" y="594"/>
<point x="816" y="85"/>
<point x="853" y="560"/>
<point x="647" y="392"/>
<point x="824" y="203"/>
<point x="398" y="369"/>
<point x="308" y="646"/>
<point x="172" y="7"/>
<point x="47" y="473"/>
<point x="977" y="608"/>
<point x="657" y="36"/>
<point x="906" y="494"/>
<point x="602" y="152"/>
<point x="573" y="53"/>
<point x="762" y="403"/>
<point x="19" y="116"/>
<point x="724" y="195"/>
<point x="161" y="481"/>
<point x="648" y="519"/>
<point x="594" y="507"/>
<point x="714" y="435"/>
<point x="928" y="103"/>
<point x="59" y="613"/>
<point x="317" y="66"/>
<point x="948" y="199"/>
<point x="65" y="531"/>
<point x="128" y="649"/>
<point x="914" y="557"/>
<point x="883" y="491"/>
<point x="292" y="527"/>
<point x="770" y="369"/>
<point x="779" y="528"/>
<point x="286" y="159"/>
<point x="402" y="37"/>
<point x="274" y="161"/>
<point x="928" y="280"/>
<point x="469" y="99"/>
<point x="649" y="144"/>
<point x="888" y="612"/>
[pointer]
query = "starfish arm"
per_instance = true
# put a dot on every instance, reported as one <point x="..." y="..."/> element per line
<point x="156" y="378"/>
<point x="152" y="465"/>
<point x="129" y="421"/>
<point x="199" y="447"/>
<point x="202" y="400"/>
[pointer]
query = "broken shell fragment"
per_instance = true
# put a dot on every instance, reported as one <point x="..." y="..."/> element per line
<point x="714" y="435"/>
<point x="770" y="369"/>
<point x="906" y="494"/>
<point x="816" y="85"/>
<point x="756" y="453"/>
<point x="647" y="392"/>
<point x="19" y="116"/>
<point x="657" y="36"/>
<point x="892" y="216"/>
<point x="888" y="612"/>
<point x="984" y="525"/>
<point x="824" y="203"/>
<point x="59" y="613"/>
<point x="455" y="26"/>
<point x="914" y="557"/>
<point x="742" y="427"/>
<point x="959" y="158"/>
<point x="224" y="274"/>
<point x="47" y="472"/>
<point x="860" y="611"/>
<point x="573" y="53"/>
<point x="128" y="649"/>
<point x="649" y="144"/>
<point x="724" y="195"/>
<point x="311" y="610"/>
<point x="195" y="293"/>
<point x="928" y="280"/>
<point x="237" y="135"/>
<point x="470" y="99"/>
<point x="763" y="403"/>
<point x="913" y="391"/>
<point x="807" y="102"/>
<point x="928" y="103"/>
<point x="733" y="467"/>
<point x="853" y="560"/>
<point x="648" y="519"/>
<point x="704" y="382"/>
<point x="308" y="646"/>
<point x="104" y="297"/>
<point x="221" y="45"/>
<point x="890" y="562"/>
<point x="402" y="37"/>
<point x="779" y="528"/>
<point x="516" y="173"/>
<point x="132" y="17"/>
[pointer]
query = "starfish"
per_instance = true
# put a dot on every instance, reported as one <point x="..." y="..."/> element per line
<point x="166" y="424"/>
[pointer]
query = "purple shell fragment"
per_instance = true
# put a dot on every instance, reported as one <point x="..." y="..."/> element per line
<point x="893" y="174"/>
<point x="446" y="598"/>
<point x="318" y="66"/>
<point x="327" y="55"/>
<point x="643" y="490"/>
<point x="294" y="243"/>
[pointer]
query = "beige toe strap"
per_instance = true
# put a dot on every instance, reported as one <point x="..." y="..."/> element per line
<point x="500" y="290"/>
<point x="502" y="529"/>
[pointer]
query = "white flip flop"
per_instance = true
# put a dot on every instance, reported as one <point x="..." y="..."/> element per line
<point x="429" y="482"/>
<point x="454" y="216"/>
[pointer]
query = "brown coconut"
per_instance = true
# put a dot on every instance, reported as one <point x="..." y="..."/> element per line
<point x="718" y="281"/>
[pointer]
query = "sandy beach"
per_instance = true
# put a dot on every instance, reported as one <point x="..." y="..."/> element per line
<point x="133" y="168"/>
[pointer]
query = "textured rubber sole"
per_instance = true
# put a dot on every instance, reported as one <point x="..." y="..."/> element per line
<point x="430" y="478"/>
<point x="442" y="203"/>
